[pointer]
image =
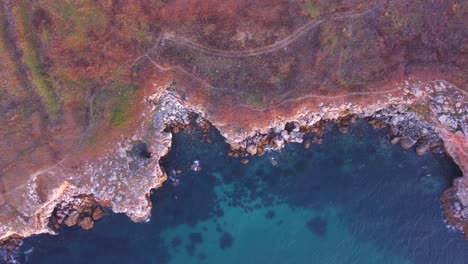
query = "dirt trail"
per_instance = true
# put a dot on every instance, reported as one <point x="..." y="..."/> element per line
<point x="284" y="43"/>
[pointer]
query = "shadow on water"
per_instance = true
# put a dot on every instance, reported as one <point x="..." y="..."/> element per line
<point x="385" y="196"/>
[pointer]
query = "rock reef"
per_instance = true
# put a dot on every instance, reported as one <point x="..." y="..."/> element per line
<point x="87" y="106"/>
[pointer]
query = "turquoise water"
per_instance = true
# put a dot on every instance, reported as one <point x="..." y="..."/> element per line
<point x="353" y="199"/>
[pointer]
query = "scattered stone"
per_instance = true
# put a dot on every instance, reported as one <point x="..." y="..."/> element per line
<point x="377" y="123"/>
<point x="277" y="142"/>
<point x="75" y="211"/>
<point x="273" y="162"/>
<point x="9" y="248"/>
<point x="175" y="182"/>
<point x="204" y="124"/>
<point x="455" y="212"/>
<point x="235" y="147"/>
<point x="296" y="137"/>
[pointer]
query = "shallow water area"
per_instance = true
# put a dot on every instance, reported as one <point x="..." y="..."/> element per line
<point x="353" y="199"/>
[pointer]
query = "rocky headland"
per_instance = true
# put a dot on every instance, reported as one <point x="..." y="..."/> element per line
<point x="88" y="108"/>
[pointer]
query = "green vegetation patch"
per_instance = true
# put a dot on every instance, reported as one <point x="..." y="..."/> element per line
<point x="39" y="77"/>
<point x="312" y="9"/>
<point x="125" y="108"/>
<point x="422" y="111"/>
<point x="254" y="99"/>
<point x="80" y="15"/>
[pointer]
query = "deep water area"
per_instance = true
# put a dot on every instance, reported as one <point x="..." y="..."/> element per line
<point x="355" y="198"/>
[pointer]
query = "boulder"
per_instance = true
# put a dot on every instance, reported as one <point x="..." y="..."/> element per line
<point x="394" y="131"/>
<point x="395" y="140"/>
<point x="196" y="165"/>
<point x="86" y="223"/>
<point x="307" y="144"/>
<point x="72" y="218"/>
<point x="407" y="142"/>
<point x="97" y="213"/>
<point x="343" y="128"/>
<point x="423" y="148"/>
<point x="252" y="149"/>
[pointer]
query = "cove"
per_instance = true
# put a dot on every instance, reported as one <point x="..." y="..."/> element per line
<point x="355" y="198"/>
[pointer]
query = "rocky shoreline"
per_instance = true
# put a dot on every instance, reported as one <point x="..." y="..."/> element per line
<point x="415" y="118"/>
<point x="89" y="106"/>
<point x="426" y="117"/>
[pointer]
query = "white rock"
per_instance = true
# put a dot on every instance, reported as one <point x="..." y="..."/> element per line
<point x="443" y="119"/>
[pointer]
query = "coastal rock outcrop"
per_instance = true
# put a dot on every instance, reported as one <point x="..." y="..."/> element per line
<point x="82" y="210"/>
<point x="87" y="106"/>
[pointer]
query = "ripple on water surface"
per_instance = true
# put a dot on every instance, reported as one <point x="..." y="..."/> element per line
<point x="353" y="199"/>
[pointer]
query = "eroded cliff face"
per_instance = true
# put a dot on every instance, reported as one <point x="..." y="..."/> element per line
<point x="88" y="89"/>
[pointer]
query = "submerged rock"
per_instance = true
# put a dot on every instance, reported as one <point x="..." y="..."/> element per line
<point x="318" y="226"/>
<point x="423" y="148"/>
<point x="455" y="209"/>
<point x="86" y="223"/>
<point x="286" y="79"/>
<point x="226" y="240"/>
<point x="196" y="166"/>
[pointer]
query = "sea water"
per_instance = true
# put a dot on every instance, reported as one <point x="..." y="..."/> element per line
<point x="355" y="198"/>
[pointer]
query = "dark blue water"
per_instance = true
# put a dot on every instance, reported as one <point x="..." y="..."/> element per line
<point x="353" y="199"/>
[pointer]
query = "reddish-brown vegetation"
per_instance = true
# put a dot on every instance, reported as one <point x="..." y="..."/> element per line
<point x="72" y="72"/>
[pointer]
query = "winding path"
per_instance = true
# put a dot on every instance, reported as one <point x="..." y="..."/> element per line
<point x="204" y="82"/>
<point x="353" y="94"/>
<point x="283" y="43"/>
